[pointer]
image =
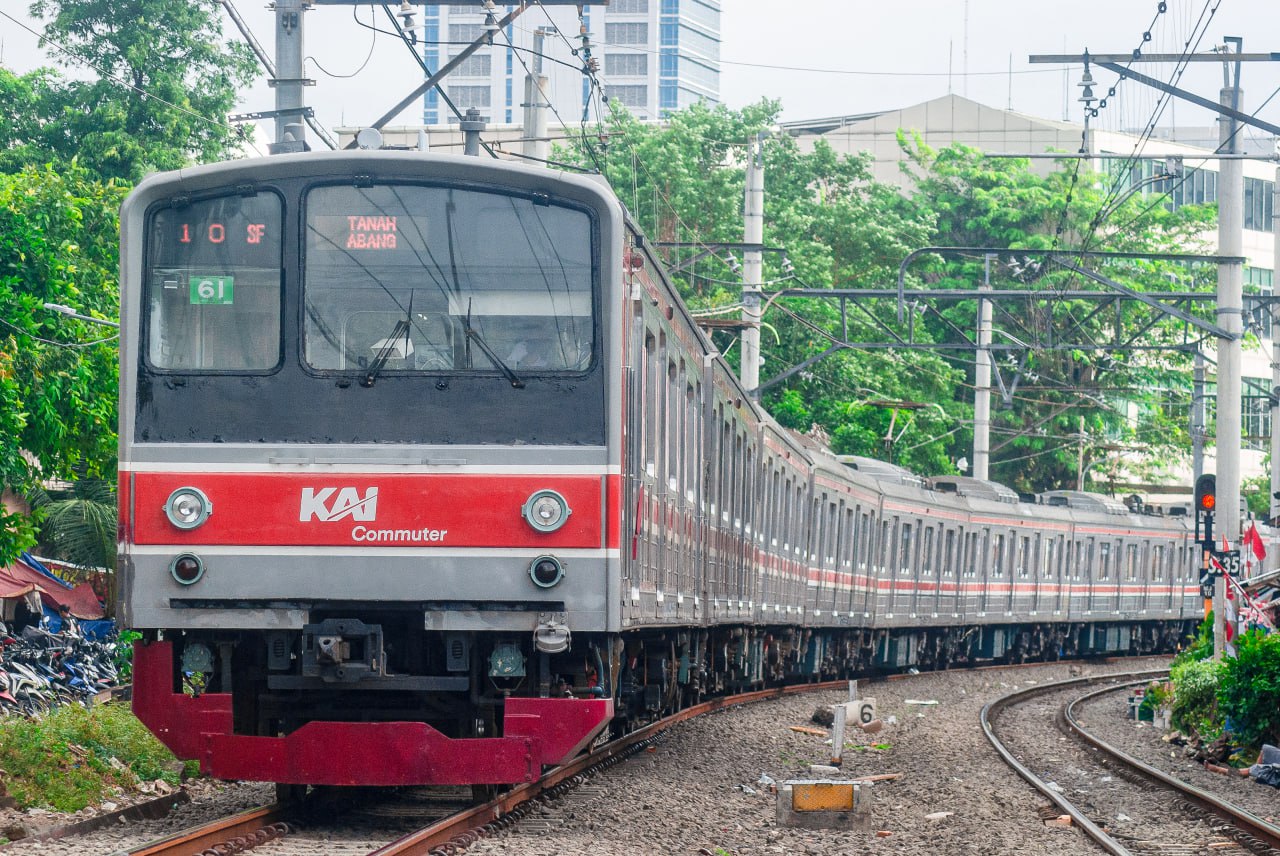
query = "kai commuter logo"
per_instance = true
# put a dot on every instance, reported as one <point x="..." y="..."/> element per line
<point x="331" y="504"/>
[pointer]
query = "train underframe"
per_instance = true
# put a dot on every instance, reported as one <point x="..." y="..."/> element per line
<point x="376" y="700"/>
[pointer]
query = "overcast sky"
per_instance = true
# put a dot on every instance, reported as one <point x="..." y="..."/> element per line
<point x="894" y="54"/>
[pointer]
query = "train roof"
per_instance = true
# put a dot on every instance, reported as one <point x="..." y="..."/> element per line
<point x="976" y="488"/>
<point x="881" y="470"/>
<point x="1084" y="501"/>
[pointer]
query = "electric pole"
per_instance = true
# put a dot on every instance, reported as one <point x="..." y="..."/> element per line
<point x="982" y="382"/>
<point x="752" y="264"/>
<point x="1275" y="354"/>
<point x="1230" y="318"/>
<point x="536" y="144"/>
<point x="289" y="78"/>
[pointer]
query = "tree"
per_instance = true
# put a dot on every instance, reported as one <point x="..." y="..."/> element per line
<point x="78" y="525"/>
<point x="165" y="84"/>
<point x="58" y="377"/>
<point x="1000" y="202"/>
<point x="685" y="182"/>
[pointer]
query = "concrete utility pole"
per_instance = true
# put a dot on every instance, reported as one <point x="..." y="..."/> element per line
<point x="753" y="264"/>
<point x="1275" y="354"/>
<point x="289" y="79"/>
<point x="1199" y="419"/>
<point x="536" y="143"/>
<point x="1230" y="318"/>
<point x="982" y="382"/>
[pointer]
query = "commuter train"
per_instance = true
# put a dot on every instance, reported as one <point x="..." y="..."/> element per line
<point x="427" y="477"/>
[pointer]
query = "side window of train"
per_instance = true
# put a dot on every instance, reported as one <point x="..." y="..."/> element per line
<point x="904" y="554"/>
<point x="213" y="285"/>
<point x="949" y="554"/>
<point x="1132" y="569"/>
<point x="1157" y="561"/>
<point x="649" y="381"/>
<point x="926" y="551"/>
<point x="997" y="555"/>
<point x="1104" y="555"/>
<point x="1090" y="559"/>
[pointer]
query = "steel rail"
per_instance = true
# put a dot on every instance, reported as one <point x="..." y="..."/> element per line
<point x="250" y="828"/>
<point x="467" y="827"/>
<point x="1251" y="824"/>
<point x="991" y="708"/>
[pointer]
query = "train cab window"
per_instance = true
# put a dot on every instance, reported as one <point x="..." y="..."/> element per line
<point x="430" y="279"/>
<point x="213" y="285"/>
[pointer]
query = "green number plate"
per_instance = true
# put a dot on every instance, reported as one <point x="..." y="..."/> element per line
<point x="213" y="289"/>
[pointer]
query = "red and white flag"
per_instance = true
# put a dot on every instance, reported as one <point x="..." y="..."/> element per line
<point x="1253" y="541"/>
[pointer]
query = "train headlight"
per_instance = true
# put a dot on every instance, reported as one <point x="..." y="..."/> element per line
<point x="188" y="507"/>
<point x="546" y="571"/>
<point x="546" y="510"/>
<point x="187" y="568"/>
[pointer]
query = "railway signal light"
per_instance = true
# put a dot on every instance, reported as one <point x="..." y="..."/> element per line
<point x="1206" y="490"/>
<point x="1206" y="500"/>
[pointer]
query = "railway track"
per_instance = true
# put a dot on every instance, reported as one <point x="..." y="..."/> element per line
<point x="291" y="829"/>
<point x="1120" y="802"/>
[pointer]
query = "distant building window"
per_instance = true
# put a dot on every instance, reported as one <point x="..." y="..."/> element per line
<point x="626" y="65"/>
<point x="476" y="65"/>
<point x="629" y="7"/>
<point x="626" y="34"/>
<point x="629" y="96"/>
<point x="470" y="96"/>
<point x="465" y="32"/>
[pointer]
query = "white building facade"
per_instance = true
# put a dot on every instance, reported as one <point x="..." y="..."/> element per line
<point x="655" y="56"/>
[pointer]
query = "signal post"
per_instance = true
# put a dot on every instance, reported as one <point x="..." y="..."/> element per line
<point x="1215" y="564"/>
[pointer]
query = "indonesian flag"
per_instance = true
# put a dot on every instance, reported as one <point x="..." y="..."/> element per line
<point x="1253" y="541"/>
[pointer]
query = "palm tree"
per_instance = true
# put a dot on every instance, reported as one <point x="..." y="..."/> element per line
<point x="78" y="523"/>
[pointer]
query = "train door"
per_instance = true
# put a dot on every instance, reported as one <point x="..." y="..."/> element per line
<point x="924" y="597"/>
<point x="948" y="593"/>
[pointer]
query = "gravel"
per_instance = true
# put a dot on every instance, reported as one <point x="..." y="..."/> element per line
<point x="690" y="795"/>
<point x="1106" y="718"/>
<point x="210" y="800"/>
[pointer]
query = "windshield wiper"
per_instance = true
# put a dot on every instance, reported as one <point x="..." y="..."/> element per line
<point x="474" y="336"/>
<point x="388" y="346"/>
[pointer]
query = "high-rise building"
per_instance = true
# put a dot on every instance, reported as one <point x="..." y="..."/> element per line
<point x="655" y="56"/>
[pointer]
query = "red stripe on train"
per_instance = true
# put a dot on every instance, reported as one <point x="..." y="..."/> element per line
<point x="374" y="510"/>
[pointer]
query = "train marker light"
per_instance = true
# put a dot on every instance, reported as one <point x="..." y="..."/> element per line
<point x="546" y="510"/>
<point x="546" y="571"/>
<point x="188" y="507"/>
<point x="187" y="568"/>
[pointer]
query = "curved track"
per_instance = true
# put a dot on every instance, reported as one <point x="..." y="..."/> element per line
<point x="1112" y="797"/>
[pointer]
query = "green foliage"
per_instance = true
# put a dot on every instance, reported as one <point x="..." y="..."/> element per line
<point x="842" y="229"/>
<point x="163" y="82"/>
<point x="1195" y="688"/>
<point x="78" y="525"/>
<point x="1249" y="689"/>
<point x="1200" y="646"/>
<point x="124" y="654"/>
<point x="58" y="376"/>
<point x="64" y="760"/>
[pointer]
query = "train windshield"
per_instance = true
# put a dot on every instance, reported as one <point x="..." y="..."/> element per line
<point x="213" y="285"/>
<point x="407" y="278"/>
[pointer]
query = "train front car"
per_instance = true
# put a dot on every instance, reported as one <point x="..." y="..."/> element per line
<point x="369" y="485"/>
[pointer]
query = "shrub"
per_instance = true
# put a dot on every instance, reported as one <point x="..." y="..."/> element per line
<point x="1195" y="687"/>
<point x="75" y="757"/>
<point x="1249" y="689"/>
<point x="1200" y="646"/>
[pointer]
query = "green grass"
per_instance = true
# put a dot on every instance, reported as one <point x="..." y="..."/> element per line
<point x="75" y="757"/>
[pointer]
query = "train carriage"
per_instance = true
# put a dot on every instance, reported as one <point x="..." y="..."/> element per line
<point x="429" y="477"/>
